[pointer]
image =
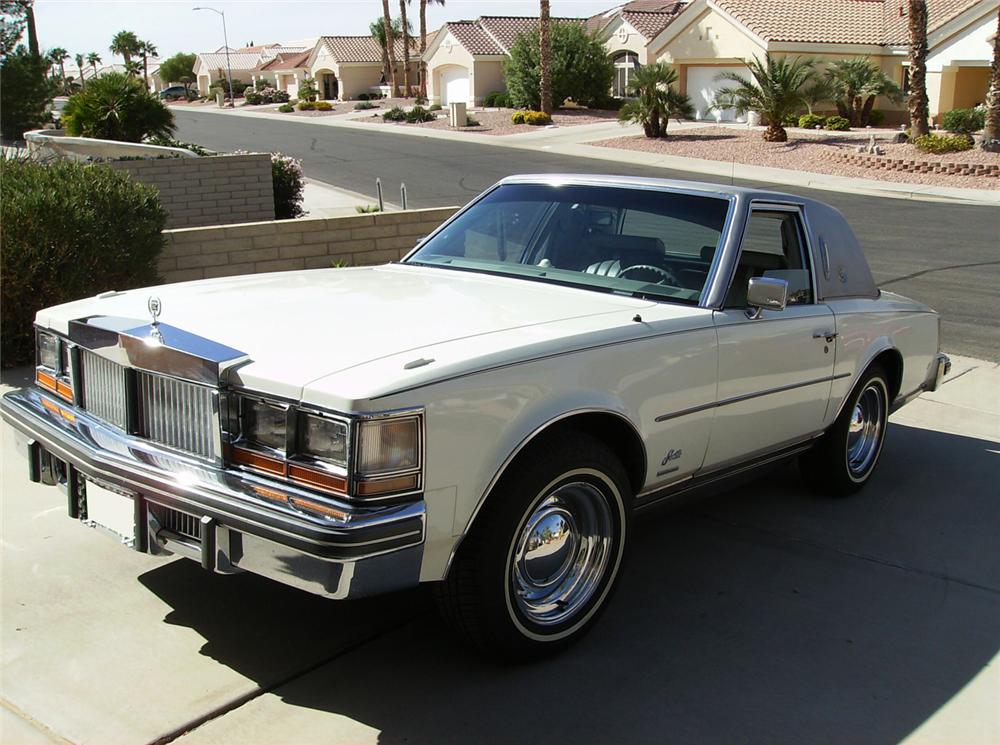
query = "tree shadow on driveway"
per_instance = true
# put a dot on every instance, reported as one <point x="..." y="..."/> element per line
<point x="761" y="615"/>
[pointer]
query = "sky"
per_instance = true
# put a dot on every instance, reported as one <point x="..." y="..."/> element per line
<point x="82" y="26"/>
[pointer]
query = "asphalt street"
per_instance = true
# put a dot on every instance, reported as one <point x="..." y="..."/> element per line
<point x="945" y="255"/>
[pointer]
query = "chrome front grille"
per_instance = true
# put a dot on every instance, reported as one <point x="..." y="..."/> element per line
<point x="177" y="414"/>
<point x="104" y="393"/>
<point x="171" y="412"/>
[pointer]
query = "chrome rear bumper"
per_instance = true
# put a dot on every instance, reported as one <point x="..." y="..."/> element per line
<point x="368" y="551"/>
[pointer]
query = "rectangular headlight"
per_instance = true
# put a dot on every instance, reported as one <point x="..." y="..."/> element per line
<point x="48" y="351"/>
<point x="263" y="424"/>
<point x="322" y="438"/>
<point x="388" y="445"/>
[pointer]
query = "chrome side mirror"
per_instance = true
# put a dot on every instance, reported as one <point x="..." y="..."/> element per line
<point x="766" y="293"/>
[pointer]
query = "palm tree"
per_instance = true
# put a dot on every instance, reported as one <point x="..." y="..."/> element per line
<point x="423" y="43"/>
<point x="655" y="99"/>
<point x="819" y="91"/>
<point x="991" y="136"/>
<point x="917" y="102"/>
<point x="775" y="89"/>
<point x="94" y="59"/>
<point x="126" y="44"/>
<point x="132" y="68"/>
<point x="406" y="47"/>
<point x="147" y="49"/>
<point x="854" y="86"/>
<point x="79" y="66"/>
<point x="58" y="55"/>
<point x="390" y="46"/>
<point x="545" y="58"/>
<point x="377" y="29"/>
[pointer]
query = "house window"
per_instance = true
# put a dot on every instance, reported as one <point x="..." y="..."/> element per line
<point x="626" y="64"/>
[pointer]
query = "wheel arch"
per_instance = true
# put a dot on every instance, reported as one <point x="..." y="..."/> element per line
<point x="612" y="428"/>
<point x="885" y="354"/>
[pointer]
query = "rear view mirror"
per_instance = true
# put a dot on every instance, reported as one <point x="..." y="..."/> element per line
<point x="766" y="293"/>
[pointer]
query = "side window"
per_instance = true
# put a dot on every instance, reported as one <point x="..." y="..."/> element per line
<point x="773" y="246"/>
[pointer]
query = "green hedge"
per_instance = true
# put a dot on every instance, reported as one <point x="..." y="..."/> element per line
<point x="964" y="121"/>
<point x="70" y="231"/>
<point x="943" y="143"/>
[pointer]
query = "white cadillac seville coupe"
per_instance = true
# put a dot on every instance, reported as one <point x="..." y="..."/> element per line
<point x="488" y="414"/>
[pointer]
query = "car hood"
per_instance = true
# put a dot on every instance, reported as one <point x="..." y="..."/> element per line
<point x="298" y="327"/>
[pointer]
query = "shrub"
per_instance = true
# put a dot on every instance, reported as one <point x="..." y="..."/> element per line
<point x="363" y="96"/>
<point x="286" y="108"/>
<point x="287" y="182"/>
<point x="25" y="94"/>
<point x="324" y="106"/>
<point x="518" y="117"/>
<point x="434" y="107"/>
<point x="308" y="90"/>
<point x="171" y="142"/>
<point x="280" y="97"/>
<point x="307" y="106"/>
<point x="535" y="118"/>
<point x="395" y="114"/>
<point x="265" y="95"/>
<point x="837" y="124"/>
<point x="811" y="121"/>
<point x="581" y="67"/>
<point x="419" y="114"/>
<point x="363" y="105"/>
<point x="876" y="117"/>
<point x="420" y="101"/>
<point x="964" y="121"/>
<point x="239" y="87"/>
<point x="497" y="99"/>
<point x="470" y="122"/>
<point x="792" y="120"/>
<point x="364" y="209"/>
<point x="70" y="230"/>
<point x="609" y="103"/>
<point x="117" y="107"/>
<point x="943" y="143"/>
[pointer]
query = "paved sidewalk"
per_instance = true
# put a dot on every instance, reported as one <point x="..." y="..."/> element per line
<point x="762" y="615"/>
<point x="573" y="141"/>
<point x="324" y="200"/>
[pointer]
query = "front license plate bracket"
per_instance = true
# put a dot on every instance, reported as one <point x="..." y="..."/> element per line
<point x="113" y="511"/>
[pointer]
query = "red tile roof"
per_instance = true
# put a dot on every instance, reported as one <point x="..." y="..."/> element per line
<point x="650" y="23"/>
<point x="287" y="61"/>
<point x="495" y="35"/>
<point x="359" y="48"/>
<point x="836" y="21"/>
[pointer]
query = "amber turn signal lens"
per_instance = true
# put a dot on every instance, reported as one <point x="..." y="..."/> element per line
<point x="45" y="380"/>
<point x="258" y="461"/>
<point x="64" y="389"/>
<point x="319" y="479"/>
<point x="387" y="486"/>
<point x="274" y="496"/>
<point x="322" y="509"/>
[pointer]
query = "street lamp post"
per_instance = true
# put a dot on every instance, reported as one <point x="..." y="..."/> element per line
<point x="229" y="69"/>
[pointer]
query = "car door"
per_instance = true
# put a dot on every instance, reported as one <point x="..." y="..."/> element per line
<point x="775" y="366"/>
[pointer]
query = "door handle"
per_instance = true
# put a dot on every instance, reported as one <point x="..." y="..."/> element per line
<point x="827" y="335"/>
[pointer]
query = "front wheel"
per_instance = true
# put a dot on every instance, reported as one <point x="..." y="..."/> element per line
<point x="542" y="558"/>
<point x="845" y="457"/>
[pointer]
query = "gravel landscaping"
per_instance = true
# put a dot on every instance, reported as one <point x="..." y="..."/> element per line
<point x="497" y="121"/>
<point x="806" y="152"/>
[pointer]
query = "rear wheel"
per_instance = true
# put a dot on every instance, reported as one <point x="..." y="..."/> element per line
<point x="542" y="558"/>
<point x="845" y="457"/>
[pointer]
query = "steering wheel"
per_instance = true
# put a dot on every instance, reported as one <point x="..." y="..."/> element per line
<point x="662" y="275"/>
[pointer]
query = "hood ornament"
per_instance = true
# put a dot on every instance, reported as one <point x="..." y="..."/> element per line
<point x="155" y="307"/>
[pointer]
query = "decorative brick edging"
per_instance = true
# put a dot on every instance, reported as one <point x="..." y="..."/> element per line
<point x="916" y="166"/>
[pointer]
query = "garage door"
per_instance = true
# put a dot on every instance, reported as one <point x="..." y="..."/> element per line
<point x="454" y="85"/>
<point x="702" y="86"/>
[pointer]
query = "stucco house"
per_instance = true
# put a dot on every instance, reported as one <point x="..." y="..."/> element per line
<point x="346" y="66"/>
<point x="284" y="71"/>
<point x="465" y="59"/>
<point x="245" y="63"/>
<point x="712" y="36"/>
<point x="626" y="32"/>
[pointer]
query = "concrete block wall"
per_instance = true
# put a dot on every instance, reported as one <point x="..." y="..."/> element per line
<point x="283" y="245"/>
<point x="217" y="190"/>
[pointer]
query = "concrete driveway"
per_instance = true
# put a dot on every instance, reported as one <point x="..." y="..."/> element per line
<point x="764" y="615"/>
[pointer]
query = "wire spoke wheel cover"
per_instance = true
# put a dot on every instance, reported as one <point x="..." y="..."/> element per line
<point x="564" y="551"/>
<point x="864" y="431"/>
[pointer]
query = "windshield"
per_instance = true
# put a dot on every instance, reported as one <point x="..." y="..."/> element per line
<point x="637" y="242"/>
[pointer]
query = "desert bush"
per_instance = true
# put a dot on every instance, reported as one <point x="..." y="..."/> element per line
<point x="940" y="144"/>
<point x="964" y="121"/>
<point x="497" y="99"/>
<point x="308" y="90"/>
<point x="286" y="108"/>
<point x="363" y="105"/>
<point x="287" y="182"/>
<point x="171" y="142"/>
<point x="363" y="96"/>
<point x="117" y="107"/>
<point x="470" y="122"/>
<point x="395" y="114"/>
<point x="434" y="107"/>
<point x="536" y="118"/>
<point x="419" y="114"/>
<point x="811" y="121"/>
<point x="70" y="231"/>
<point x="307" y="106"/>
<point x="324" y="106"/>
<point x="837" y="124"/>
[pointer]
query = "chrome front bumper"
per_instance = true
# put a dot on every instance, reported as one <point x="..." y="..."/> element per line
<point x="369" y="551"/>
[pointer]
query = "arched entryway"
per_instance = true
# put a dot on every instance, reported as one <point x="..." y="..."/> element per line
<point x="327" y="85"/>
<point x="626" y="63"/>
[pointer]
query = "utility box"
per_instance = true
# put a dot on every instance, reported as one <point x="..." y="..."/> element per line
<point x="220" y="98"/>
<point x="456" y="114"/>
